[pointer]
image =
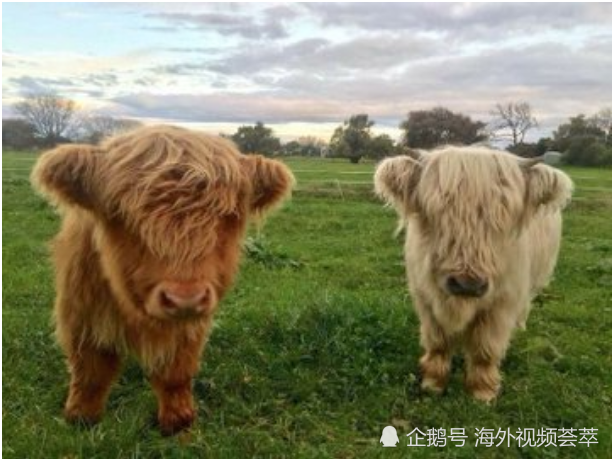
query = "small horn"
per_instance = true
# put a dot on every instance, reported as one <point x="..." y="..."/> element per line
<point x="414" y="154"/>
<point x="530" y="162"/>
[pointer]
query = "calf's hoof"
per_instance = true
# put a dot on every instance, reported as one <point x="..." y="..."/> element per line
<point x="433" y="385"/>
<point x="487" y="396"/>
<point x="435" y="371"/>
<point x="172" y="423"/>
<point x="76" y="415"/>
<point x="483" y="382"/>
<point x="483" y="391"/>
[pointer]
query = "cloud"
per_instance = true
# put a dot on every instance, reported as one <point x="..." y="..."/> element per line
<point x="224" y="107"/>
<point x="373" y="53"/>
<point x="26" y="85"/>
<point x="465" y="19"/>
<point x="63" y="63"/>
<point x="405" y="71"/>
<point x="265" y="24"/>
<point x="185" y="68"/>
<point x="89" y="86"/>
<point x="144" y="81"/>
<point x="558" y="82"/>
<point x="106" y="79"/>
<point x="320" y="63"/>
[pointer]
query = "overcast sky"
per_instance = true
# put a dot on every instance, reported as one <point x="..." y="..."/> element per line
<point x="304" y="68"/>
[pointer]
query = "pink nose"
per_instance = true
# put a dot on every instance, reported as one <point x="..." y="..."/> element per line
<point x="184" y="297"/>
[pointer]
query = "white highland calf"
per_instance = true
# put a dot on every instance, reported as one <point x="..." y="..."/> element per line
<point x="483" y="229"/>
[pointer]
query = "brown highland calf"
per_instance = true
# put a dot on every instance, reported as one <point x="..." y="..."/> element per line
<point x="153" y="222"/>
<point x="483" y="232"/>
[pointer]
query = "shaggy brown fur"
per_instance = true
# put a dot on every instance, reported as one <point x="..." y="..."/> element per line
<point x="150" y="242"/>
<point x="483" y="231"/>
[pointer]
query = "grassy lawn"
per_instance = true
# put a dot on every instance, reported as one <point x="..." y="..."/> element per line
<point x="315" y="350"/>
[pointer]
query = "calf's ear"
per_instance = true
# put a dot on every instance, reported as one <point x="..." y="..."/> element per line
<point x="67" y="175"/>
<point x="548" y="187"/>
<point x="396" y="180"/>
<point x="271" y="182"/>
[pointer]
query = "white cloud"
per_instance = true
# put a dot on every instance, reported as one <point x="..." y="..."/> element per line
<point x="319" y="63"/>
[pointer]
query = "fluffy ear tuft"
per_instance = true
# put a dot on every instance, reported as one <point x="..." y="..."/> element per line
<point x="396" y="180"/>
<point x="271" y="181"/>
<point x="66" y="175"/>
<point x="549" y="187"/>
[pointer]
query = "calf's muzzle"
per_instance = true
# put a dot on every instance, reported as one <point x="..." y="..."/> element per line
<point x="185" y="299"/>
<point x="466" y="285"/>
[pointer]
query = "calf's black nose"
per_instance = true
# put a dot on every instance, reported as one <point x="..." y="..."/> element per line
<point x="463" y="285"/>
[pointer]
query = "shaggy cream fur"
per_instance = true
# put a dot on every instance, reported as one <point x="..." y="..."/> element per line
<point x="480" y="214"/>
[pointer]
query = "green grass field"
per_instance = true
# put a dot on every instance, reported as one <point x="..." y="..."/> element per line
<point x="315" y="350"/>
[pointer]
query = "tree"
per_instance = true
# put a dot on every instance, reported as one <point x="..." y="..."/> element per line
<point x="256" y="139"/>
<point x="311" y="146"/>
<point x="584" y="142"/>
<point x="440" y="126"/>
<point x="18" y="134"/>
<point x="583" y="153"/>
<point x="292" y="148"/>
<point x="531" y="150"/>
<point x="381" y="146"/>
<point x="543" y="145"/>
<point x="304" y="146"/>
<point x="51" y="116"/>
<point x="512" y="121"/>
<point x="603" y="120"/>
<point x="525" y="150"/>
<point x="94" y="129"/>
<point x="352" y="139"/>
<point x="578" y="127"/>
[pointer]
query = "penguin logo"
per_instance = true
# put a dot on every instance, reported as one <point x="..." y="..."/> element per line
<point x="389" y="437"/>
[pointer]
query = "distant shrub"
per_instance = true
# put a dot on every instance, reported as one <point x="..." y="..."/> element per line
<point x="18" y="134"/>
<point x="587" y="152"/>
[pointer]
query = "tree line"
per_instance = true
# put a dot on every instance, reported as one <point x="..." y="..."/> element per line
<point x="582" y="140"/>
<point x="46" y="120"/>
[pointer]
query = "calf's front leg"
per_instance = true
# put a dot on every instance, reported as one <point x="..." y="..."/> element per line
<point x="486" y="342"/>
<point x="172" y="385"/>
<point x="436" y="362"/>
<point x="92" y="372"/>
